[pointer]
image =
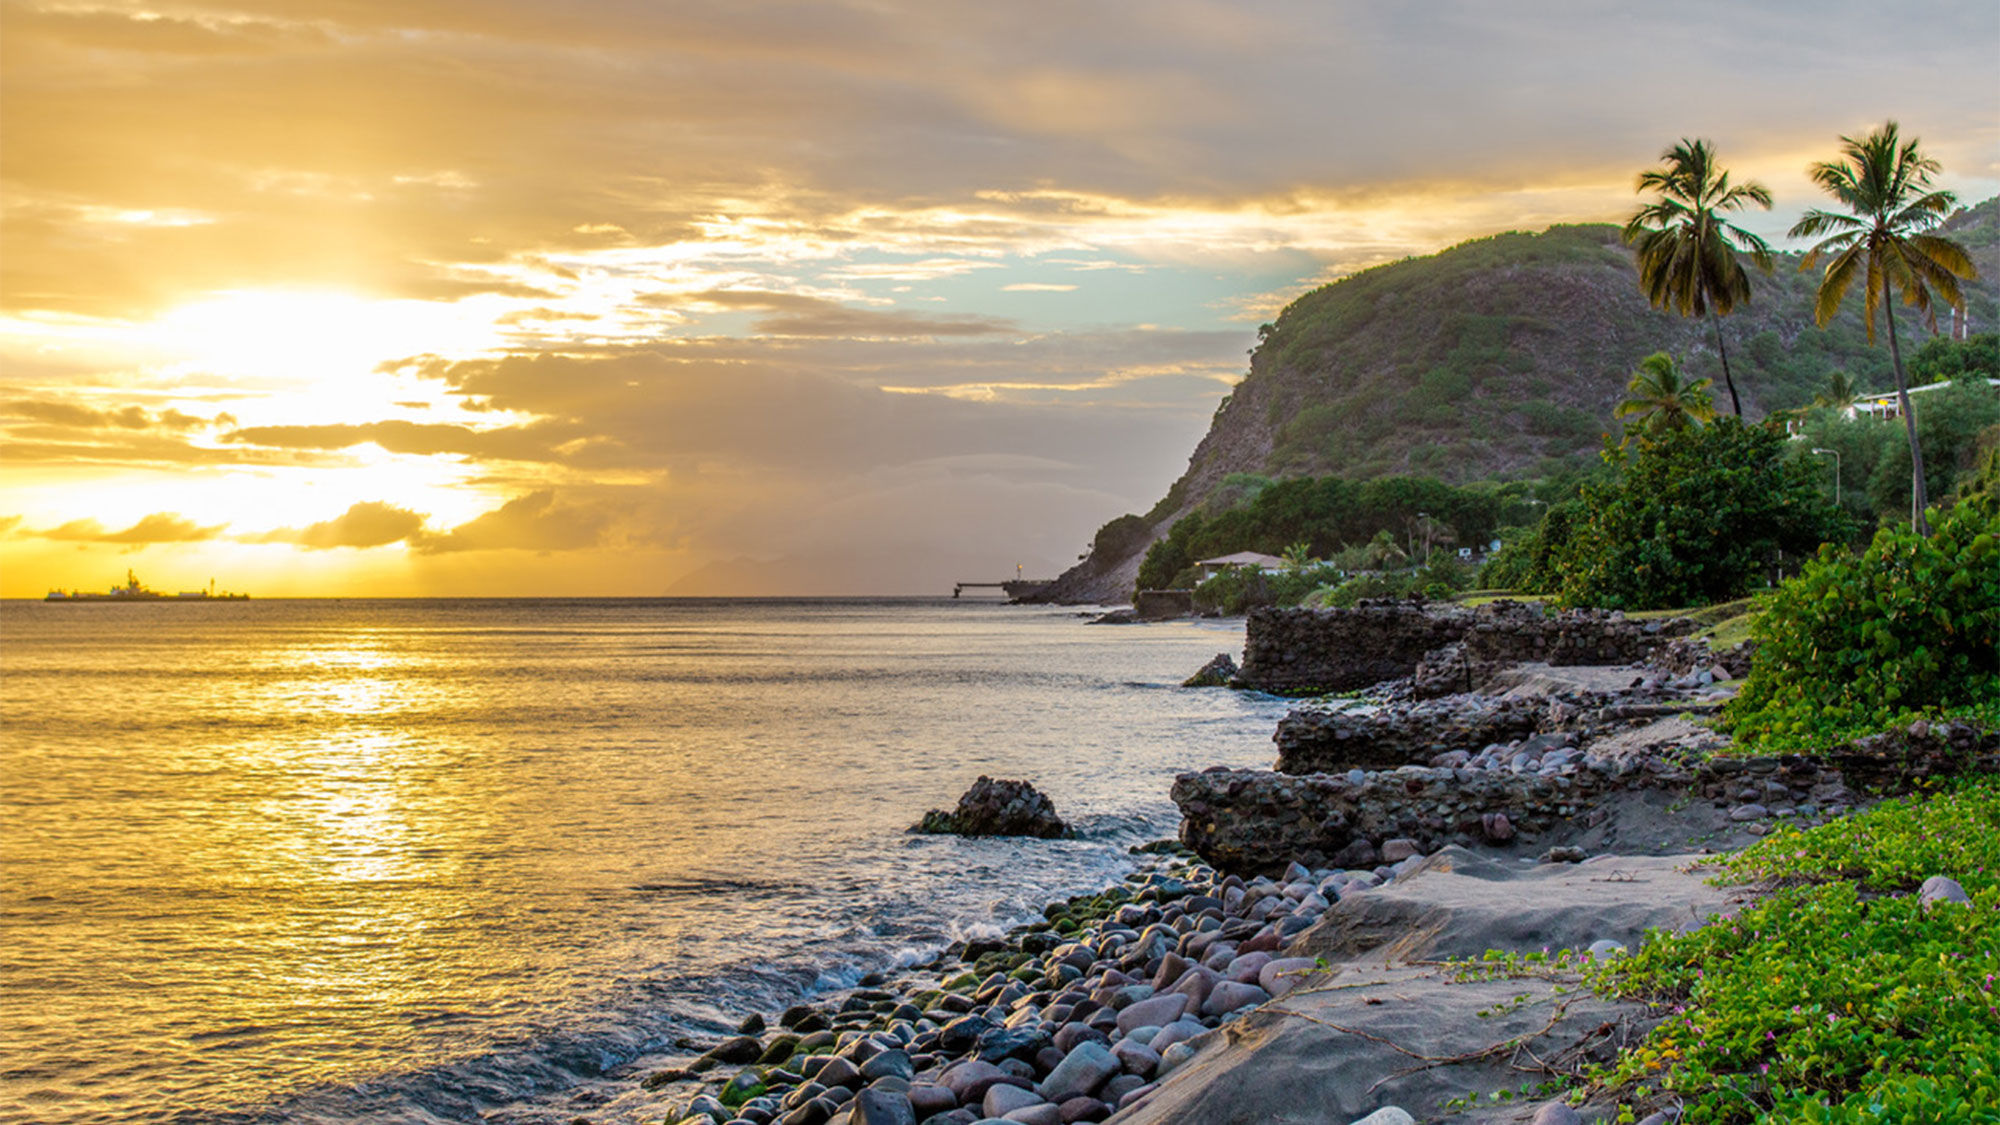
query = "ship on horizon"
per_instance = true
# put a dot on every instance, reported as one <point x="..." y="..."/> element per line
<point x="134" y="591"/>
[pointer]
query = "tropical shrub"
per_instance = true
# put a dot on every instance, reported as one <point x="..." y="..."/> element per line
<point x="1527" y="562"/>
<point x="1444" y="578"/>
<point x="1949" y="423"/>
<point x="1237" y="589"/>
<point x="1119" y="538"/>
<point x="1852" y="645"/>
<point x="1846" y="1001"/>
<point x="1329" y="514"/>
<point x="1696" y="516"/>
<point x="1982" y="489"/>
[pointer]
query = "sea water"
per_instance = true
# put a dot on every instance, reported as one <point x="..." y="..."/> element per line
<point x="358" y="860"/>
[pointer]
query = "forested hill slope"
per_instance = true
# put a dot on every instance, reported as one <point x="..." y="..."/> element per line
<point x="1501" y="357"/>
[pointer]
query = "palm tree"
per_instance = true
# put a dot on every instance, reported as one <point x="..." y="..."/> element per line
<point x="1662" y="400"/>
<point x="1687" y="252"/>
<point x="1885" y="184"/>
<point x="1840" y="392"/>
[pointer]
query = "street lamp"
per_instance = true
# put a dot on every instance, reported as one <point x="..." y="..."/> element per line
<point x="1836" y="473"/>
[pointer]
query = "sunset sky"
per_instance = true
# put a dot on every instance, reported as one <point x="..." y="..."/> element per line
<point x="352" y="297"/>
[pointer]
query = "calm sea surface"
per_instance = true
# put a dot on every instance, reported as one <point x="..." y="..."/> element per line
<point x="433" y="860"/>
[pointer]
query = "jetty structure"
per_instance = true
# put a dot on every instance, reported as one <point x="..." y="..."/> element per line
<point x="1016" y="588"/>
<point x="134" y="591"/>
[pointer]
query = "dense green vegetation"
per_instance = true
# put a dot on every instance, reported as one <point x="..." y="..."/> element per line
<point x="1695" y="515"/>
<point x="1327" y="514"/>
<point x="1874" y="457"/>
<point x="1846" y="1000"/>
<point x="1909" y="629"/>
<point x="1693" y="510"/>
<point x="1503" y="355"/>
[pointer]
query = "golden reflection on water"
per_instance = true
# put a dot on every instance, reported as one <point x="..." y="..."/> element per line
<point x="255" y="849"/>
<point x="368" y="828"/>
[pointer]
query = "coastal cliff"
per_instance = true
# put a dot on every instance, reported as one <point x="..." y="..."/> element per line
<point x="1496" y="358"/>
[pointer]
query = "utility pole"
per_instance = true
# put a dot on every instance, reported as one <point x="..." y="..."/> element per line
<point x="1836" y="473"/>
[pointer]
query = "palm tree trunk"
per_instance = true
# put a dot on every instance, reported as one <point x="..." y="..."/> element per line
<point x="1918" y="501"/>
<point x="1734" y="402"/>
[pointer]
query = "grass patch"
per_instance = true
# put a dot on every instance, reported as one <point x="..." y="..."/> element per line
<point x="1487" y="597"/>
<point x="1839" y="1000"/>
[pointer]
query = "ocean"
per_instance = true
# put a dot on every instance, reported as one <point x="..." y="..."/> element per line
<point x="454" y="860"/>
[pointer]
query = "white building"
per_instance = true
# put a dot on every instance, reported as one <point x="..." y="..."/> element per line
<point x="1269" y="564"/>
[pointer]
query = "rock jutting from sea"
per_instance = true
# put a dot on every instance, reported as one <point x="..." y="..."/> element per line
<point x="997" y="807"/>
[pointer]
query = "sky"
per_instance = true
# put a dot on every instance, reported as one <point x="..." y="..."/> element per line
<point x="647" y="297"/>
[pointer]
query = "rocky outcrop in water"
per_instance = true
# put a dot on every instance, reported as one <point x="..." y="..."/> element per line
<point x="1218" y="672"/>
<point x="997" y="807"/>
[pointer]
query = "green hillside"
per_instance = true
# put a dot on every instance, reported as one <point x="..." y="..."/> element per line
<point x="1503" y="358"/>
<point x="1490" y="356"/>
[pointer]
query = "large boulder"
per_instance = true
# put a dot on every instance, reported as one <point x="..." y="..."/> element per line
<point x="1216" y="673"/>
<point x="997" y="807"/>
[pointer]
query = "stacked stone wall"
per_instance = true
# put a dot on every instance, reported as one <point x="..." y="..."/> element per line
<point x="1445" y="648"/>
<point x="1259" y="820"/>
<point x="1300" y="651"/>
<point x="1319" y="741"/>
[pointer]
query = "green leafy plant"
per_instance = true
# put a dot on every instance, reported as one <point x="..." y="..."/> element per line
<point x="1696" y="516"/>
<point x="1659" y="398"/>
<point x="1894" y="846"/>
<point x="1909" y="629"/>
<point x="1833" y="1002"/>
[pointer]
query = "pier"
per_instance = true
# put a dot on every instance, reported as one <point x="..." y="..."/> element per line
<point x="1015" y="589"/>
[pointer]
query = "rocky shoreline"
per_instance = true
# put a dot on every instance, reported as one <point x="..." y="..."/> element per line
<point x="1278" y="963"/>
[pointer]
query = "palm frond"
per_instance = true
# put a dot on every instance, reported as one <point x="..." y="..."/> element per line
<point x="1814" y="223"/>
<point x="1840" y="274"/>
<point x="1948" y="255"/>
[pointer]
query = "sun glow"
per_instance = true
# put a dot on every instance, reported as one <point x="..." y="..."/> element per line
<point x="330" y="342"/>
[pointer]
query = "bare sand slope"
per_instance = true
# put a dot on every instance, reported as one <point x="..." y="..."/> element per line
<point x="1384" y="1025"/>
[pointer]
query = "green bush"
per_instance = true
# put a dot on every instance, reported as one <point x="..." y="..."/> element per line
<point x="1911" y="628"/>
<point x="1834" y="1002"/>
<point x="1697" y="515"/>
<point x="1443" y="579"/>
<point x="1117" y="540"/>
<point x="1237" y="589"/>
<point x="1527" y="561"/>
<point x="1894" y="846"/>
<point x="1356" y="588"/>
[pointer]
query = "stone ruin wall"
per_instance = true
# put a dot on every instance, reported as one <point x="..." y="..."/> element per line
<point x="1258" y="820"/>
<point x="1447" y="649"/>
